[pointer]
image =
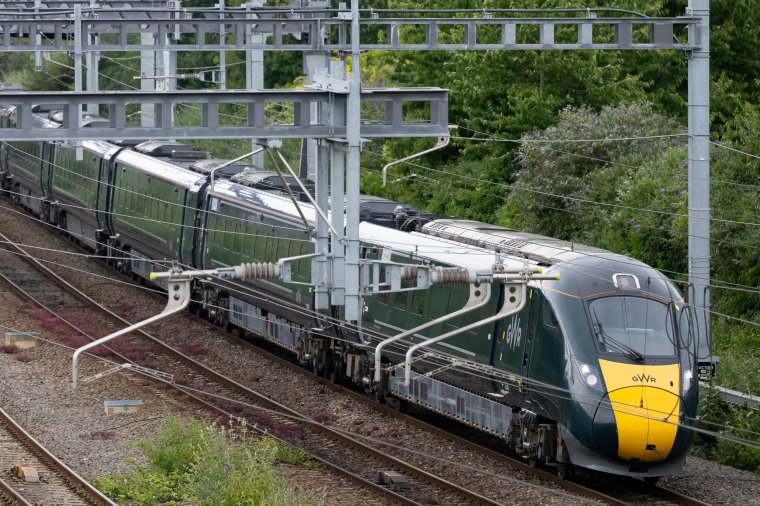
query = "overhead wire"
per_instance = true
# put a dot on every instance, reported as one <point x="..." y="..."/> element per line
<point x="550" y="386"/>
<point x="612" y="162"/>
<point x="565" y="210"/>
<point x="746" y="288"/>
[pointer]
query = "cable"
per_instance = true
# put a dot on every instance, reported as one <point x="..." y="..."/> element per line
<point x="570" y="198"/>
<point x="564" y="210"/>
<point x="559" y="141"/>
<point x="721" y="145"/>
<point x="533" y="384"/>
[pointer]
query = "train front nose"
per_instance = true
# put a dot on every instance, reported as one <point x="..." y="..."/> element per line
<point x="640" y="412"/>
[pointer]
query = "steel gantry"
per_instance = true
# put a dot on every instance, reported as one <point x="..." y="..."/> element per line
<point x="310" y="26"/>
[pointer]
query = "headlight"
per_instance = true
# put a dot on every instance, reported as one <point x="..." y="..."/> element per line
<point x="589" y="375"/>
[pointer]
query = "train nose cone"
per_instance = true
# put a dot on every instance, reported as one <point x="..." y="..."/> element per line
<point x="641" y="409"/>
<point x="646" y="420"/>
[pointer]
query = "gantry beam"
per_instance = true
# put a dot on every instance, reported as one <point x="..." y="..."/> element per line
<point x="114" y="27"/>
<point x="259" y="114"/>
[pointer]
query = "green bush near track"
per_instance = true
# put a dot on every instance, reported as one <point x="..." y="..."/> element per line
<point x="194" y="462"/>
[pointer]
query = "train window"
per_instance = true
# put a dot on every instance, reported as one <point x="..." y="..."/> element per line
<point x="384" y="298"/>
<point x="282" y="248"/>
<point x="259" y="245"/>
<point x="548" y="316"/>
<point x="238" y="241"/>
<point x="633" y="326"/>
<point x="399" y="300"/>
<point x="228" y="235"/>
<point x="249" y="240"/>
<point x="419" y="298"/>
<point x="211" y="225"/>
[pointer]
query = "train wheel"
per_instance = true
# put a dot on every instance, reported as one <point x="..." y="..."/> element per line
<point x="651" y="480"/>
<point x="533" y="460"/>
<point x="565" y="471"/>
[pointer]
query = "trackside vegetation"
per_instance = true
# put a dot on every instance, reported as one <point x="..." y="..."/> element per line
<point x="196" y="462"/>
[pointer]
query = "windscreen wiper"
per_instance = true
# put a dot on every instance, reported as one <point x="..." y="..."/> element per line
<point x="613" y="344"/>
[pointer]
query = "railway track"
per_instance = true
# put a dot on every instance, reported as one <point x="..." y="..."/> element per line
<point x="629" y="490"/>
<point x="30" y="474"/>
<point x="422" y="484"/>
<point x="341" y="452"/>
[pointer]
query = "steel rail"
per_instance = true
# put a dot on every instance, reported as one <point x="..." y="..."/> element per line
<point x="77" y="485"/>
<point x="259" y="398"/>
<point x="661" y="492"/>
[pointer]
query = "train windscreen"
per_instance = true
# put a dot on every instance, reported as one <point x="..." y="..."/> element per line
<point x="636" y="327"/>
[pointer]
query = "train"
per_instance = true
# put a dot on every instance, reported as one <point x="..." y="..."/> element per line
<point x="596" y="369"/>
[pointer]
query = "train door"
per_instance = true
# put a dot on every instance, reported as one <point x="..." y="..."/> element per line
<point x="48" y="164"/>
<point x="545" y="356"/>
<point x="4" y="123"/>
<point x="191" y="226"/>
<point x="107" y="190"/>
<point x="510" y="348"/>
<point x="530" y="332"/>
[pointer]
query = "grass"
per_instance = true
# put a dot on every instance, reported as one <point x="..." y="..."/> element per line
<point x="193" y="462"/>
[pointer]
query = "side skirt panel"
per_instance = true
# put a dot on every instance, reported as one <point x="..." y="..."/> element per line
<point x="466" y="407"/>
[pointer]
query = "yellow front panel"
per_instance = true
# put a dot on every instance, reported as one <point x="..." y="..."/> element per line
<point x="645" y="400"/>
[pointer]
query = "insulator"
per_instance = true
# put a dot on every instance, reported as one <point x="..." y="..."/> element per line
<point x="409" y="272"/>
<point x="452" y="277"/>
<point x="257" y="271"/>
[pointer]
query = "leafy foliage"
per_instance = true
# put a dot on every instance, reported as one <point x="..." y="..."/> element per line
<point x="195" y="462"/>
<point x="729" y="423"/>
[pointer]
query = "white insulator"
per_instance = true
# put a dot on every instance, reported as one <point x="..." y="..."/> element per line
<point x="452" y="277"/>
<point x="409" y="272"/>
<point x="257" y="271"/>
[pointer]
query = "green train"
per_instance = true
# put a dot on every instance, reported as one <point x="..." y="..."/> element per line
<point x="596" y="369"/>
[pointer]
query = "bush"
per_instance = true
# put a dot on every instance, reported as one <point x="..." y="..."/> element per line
<point x="195" y="462"/>
<point x="729" y="424"/>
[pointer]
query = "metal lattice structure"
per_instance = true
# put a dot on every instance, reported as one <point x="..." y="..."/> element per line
<point x="310" y="26"/>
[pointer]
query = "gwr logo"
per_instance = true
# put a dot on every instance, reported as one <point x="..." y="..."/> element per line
<point x="644" y="378"/>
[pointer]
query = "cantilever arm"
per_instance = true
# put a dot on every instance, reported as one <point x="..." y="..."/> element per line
<point x="479" y="296"/>
<point x="509" y="307"/>
<point x="179" y="298"/>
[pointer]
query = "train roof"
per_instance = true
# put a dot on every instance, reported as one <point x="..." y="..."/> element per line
<point x="541" y="249"/>
<point x="88" y="120"/>
<point x="258" y="200"/>
<point x="161" y="169"/>
<point x="270" y="180"/>
<point x="206" y="165"/>
<point x="171" y="149"/>
<point x="416" y="245"/>
<point x="440" y="251"/>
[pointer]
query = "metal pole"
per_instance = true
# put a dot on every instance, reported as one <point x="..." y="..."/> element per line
<point x="353" y="124"/>
<point x="314" y="63"/>
<point x="222" y="52"/>
<point x="147" y="83"/>
<point x="338" y="187"/>
<point x="93" y="58"/>
<point x="37" y="41"/>
<point x="254" y="67"/>
<point x="699" y="171"/>
<point x="79" y="154"/>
